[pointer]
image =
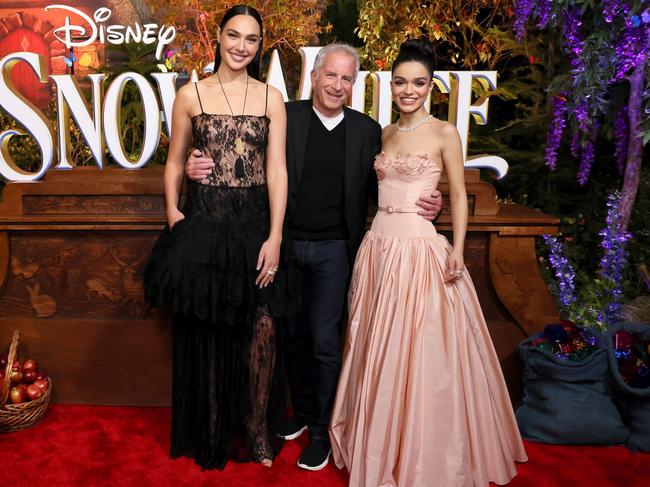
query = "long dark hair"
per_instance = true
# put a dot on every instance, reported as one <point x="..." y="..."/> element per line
<point x="419" y="50"/>
<point x="253" y="67"/>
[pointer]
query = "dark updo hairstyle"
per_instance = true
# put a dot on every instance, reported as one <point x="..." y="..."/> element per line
<point x="253" y="67"/>
<point x="418" y="50"/>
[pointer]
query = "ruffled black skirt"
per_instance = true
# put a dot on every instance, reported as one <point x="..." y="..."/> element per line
<point x="205" y="266"/>
<point x="227" y="388"/>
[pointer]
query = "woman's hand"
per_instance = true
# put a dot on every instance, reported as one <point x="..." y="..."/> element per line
<point x="455" y="266"/>
<point x="267" y="262"/>
<point x="173" y="217"/>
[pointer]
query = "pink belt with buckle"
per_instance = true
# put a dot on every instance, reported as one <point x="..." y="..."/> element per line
<point x="394" y="209"/>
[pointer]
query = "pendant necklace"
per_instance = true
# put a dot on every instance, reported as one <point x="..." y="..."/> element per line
<point x="239" y="142"/>
<point x="421" y="122"/>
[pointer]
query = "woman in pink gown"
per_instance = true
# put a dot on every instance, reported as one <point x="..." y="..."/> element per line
<point x="421" y="400"/>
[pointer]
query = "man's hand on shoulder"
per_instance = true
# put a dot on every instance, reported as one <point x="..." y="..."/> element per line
<point x="431" y="205"/>
<point x="198" y="167"/>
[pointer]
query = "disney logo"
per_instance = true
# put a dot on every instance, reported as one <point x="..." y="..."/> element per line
<point x="113" y="34"/>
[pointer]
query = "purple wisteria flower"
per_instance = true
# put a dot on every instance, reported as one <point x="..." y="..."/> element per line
<point x="586" y="161"/>
<point x="645" y="16"/>
<point x="543" y="13"/>
<point x="556" y="129"/>
<point x="564" y="272"/>
<point x="615" y="255"/>
<point x="581" y="112"/>
<point x="574" y="144"/>
<point x="631" y="49"/>
<point x="612" y="8"/>
<point x="621" y="138"/>
<point x="523" y="9"/>
<point x="609" y="10"/>
<point x="573" y="39"/>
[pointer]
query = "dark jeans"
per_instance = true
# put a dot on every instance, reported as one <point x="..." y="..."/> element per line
<point x="313" y="345"/>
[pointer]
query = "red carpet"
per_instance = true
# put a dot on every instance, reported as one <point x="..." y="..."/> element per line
<point x="119" y="446"/>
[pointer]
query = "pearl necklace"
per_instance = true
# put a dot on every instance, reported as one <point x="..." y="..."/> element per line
<point x="421" y="122"/>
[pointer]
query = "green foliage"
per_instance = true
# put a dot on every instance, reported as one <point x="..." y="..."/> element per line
<point x="288" y="25"/>
<point x="461" y="31"/>
<point x="583" y="218"/>
<point x="583" y="207"/>
<point x="138" y="58"/>
<point x="26" y="153"/>
<point x="342" y="16"/>
<point x="465" y="36"/>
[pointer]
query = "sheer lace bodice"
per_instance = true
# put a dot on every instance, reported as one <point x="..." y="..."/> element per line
<point x="227" y="390"/>
<point x="216" y="135"/>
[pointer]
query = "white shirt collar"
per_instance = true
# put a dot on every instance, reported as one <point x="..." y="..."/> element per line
<point x="329" y="122"/>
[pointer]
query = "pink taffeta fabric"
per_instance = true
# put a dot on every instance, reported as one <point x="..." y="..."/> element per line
<point x="421" y="400"/>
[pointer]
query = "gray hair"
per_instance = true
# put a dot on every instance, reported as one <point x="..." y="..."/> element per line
<point x="337" y="47"/>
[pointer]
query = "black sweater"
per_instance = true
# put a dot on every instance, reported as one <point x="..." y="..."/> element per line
<point x="319" y="213"/>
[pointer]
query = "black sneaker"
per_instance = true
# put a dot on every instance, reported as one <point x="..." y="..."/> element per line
<point x="292" y="428"/>
<point x="316" y="455"/>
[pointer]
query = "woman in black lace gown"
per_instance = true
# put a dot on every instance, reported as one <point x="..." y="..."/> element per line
<point x="220" y="264"/>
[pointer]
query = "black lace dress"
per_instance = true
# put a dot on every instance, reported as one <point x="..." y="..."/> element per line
<point x="226" y="393"/>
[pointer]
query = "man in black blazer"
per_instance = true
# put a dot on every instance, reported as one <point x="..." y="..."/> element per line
<point x="330" y="155"/>
<point x="360" y="143"/>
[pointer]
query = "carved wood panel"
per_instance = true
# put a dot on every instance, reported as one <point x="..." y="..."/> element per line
<point x="76" y="274"/>
<point x="93" y="204"/>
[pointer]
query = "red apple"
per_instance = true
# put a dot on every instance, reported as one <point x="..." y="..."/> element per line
<point x="42" y="384"/>
<point x="33" y="392"/>
<point x="17" y="395"/>
<point x="3" y="361"/>
<point x="16" y="376"/>
<point x="16" y="365"/>
<point x="29" y="376"/>
<point x="2" y="374"/>
<point x="40" y="374"/>
<point x="29" y="364"/>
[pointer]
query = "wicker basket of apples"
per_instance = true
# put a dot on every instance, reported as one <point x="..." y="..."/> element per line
<point x="24" y="393"/>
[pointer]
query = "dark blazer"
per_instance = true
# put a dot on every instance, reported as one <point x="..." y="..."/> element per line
<point x="362" y="143"/>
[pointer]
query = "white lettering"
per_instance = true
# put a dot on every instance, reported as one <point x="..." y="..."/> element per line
<point x="149" y="33"/>
<point x="133" y="33"/>
<point x="69" y="96"/>
<point x="100" y="123"/>
<point x="381" y="97"/>
<point x="79" y="30"/>
<point x="166" y="35"/>
<point x="167" y="90"/>
<point x="114" y="34"/>
<point x="16" y="105"/>
<point x="308" y="55"/>
<point x="359" y="92"/>
<point x="275" y="77"/>
<point x="112" y="108"/>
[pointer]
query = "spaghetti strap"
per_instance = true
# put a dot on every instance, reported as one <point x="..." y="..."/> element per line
<point x="266" y="101"/>
<point x="198" y="96"/>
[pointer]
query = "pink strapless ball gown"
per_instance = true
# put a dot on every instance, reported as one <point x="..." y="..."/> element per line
<point x="421" y="401"/>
